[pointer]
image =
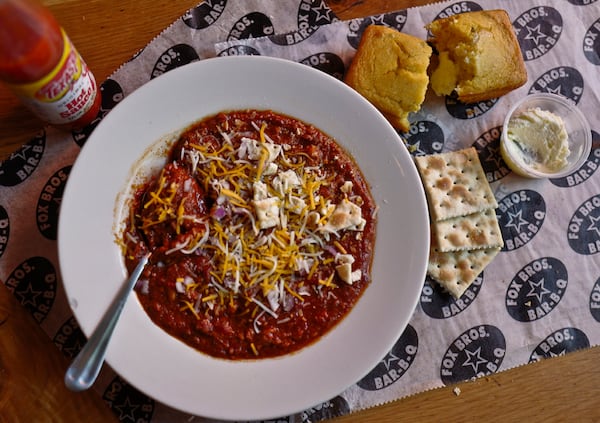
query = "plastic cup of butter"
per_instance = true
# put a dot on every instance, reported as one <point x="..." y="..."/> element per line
<point x="516" y="152"/>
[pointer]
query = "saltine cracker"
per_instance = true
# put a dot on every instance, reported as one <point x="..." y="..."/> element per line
<point x="473" y="231"/>
<point x="455" y="271"/>
<point x="455" y="184"/>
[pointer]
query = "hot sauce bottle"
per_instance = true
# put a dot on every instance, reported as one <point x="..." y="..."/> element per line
<point x="41" y="66"/>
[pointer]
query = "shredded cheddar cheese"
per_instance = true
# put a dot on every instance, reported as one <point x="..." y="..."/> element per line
<point x="271" y="228"/>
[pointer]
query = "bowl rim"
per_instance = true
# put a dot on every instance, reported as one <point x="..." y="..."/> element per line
<point x="263" y="389"/>
<point x="563" y="101"/>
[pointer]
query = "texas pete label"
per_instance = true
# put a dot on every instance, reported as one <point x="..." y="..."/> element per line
<point x="66" y="93"/>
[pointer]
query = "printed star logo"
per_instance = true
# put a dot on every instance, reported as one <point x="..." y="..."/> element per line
<point x="556" y="90"/>
<point x="535" y="34"/>
<point x="21" y="154"/>
<point x="538" y="290"/>
<point x="594" y="226"/>
<point x="494" y="156"/>
<point x="126" y="410"/>
<point x="416" y="148"/>
<point x="28" y="296"/>
<point x="474" y="359"/>
<point x="388" y="361"/>
<point x="515" y="220"/>
<point x="323" y="12"/>
<point x="378" y="20"/>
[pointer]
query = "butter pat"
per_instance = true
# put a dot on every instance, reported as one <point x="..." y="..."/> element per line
<point x="539" y="139"/>
<point x="445" y="78"/>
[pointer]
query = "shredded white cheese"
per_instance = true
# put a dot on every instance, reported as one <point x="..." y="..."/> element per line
<point x="272" y="227"/>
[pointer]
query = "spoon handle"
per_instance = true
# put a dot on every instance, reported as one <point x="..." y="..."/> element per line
<point x="84" y="370"/>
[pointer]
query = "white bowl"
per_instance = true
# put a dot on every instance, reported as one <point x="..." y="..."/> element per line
<point x="165" y="368"/>
<point x="578" y="130"/>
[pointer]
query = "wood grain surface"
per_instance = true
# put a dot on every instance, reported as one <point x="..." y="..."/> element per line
<point x="108" y="33"/>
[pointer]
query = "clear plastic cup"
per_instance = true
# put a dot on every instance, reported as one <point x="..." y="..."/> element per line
<point x="578" y="130"/>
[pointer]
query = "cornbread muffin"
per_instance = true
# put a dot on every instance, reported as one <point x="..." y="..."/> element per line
<point x="390" y="70"/>
<point x="479" y="56"/>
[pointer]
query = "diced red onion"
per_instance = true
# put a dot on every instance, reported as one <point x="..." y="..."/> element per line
<point x="331" y="250"/>
<point x="142" y="287"/>
<point x="218" y="212"/>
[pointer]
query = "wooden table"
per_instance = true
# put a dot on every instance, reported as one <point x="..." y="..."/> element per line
<point x="109" y="32"/>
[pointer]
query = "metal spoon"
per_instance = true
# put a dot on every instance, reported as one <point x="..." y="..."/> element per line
<point x="85" y="368"/>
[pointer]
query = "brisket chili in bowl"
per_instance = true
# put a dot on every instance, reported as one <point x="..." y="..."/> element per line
<point x="262" y="232"/>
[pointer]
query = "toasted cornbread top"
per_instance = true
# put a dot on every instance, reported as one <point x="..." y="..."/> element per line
<point x="390" y="70"/>
<point x="479" y="55"/>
